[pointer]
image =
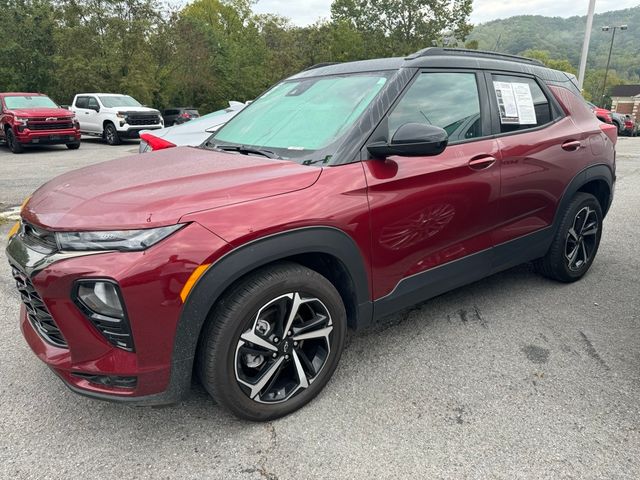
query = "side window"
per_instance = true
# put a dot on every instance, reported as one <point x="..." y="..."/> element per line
<point x="92" y="103"/>
<point x="521" y="102"/>
<point x="447" y="100"/>
<point x="81" y="102"/>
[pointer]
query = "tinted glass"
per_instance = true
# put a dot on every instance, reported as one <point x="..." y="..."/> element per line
<point x="92" y="102"/>
<point x="447" y="100"/>
<point x="24" y="101"/>
<point x="82" y="102"/>
<point x="299" y="117"/>
<point x="541" y="105"/>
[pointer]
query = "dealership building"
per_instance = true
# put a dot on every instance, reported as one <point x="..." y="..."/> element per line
<point x="625" y="99"/>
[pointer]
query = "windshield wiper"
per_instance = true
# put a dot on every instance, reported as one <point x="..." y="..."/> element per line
<point x="245" y="150"/>
<point x="317" y="160"/>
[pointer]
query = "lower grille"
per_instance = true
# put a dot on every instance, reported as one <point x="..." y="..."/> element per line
<point x="143" y="120"/>
<point x="37" y="312"/>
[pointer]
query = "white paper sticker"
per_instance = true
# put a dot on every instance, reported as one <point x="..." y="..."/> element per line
<point x="524" y="101"/>
<point x="515" y="103"/>
<point x="506" y="102"/>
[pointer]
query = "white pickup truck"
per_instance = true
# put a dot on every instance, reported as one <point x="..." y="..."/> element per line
<point x="113" y="116"/>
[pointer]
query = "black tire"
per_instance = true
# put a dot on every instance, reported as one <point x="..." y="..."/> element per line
<point x="576" y="242"/>
<point x="265" y="292"/>
<point x="73" y="146"/>
<point x="12" y="142"/>
<point x="111" y="135"/>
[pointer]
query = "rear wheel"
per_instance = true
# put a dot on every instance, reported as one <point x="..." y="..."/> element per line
<point x="111" y="135"/>
<point x="12" y="142"/>
<point x="272" y="342"/>
<point x="576" y="242"/>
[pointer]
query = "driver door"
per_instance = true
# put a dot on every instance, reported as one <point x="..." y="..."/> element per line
<point x="432" y="217"/>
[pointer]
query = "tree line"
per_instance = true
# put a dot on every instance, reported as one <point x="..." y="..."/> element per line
<point x="203" y="53"/>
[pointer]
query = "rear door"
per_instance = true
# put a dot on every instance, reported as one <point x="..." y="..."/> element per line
<point x="431" y="211"/>
<point x="541" y="151"/>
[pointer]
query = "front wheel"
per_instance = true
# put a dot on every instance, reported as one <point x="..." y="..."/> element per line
<point x="73" y="146"/>
<point x="12" y="142"/>
<point x="272" y="342"/>
<point x="111" y="134"/>
<point x="576" y="242"/>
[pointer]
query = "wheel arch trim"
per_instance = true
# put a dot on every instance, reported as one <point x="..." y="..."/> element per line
<point x="246" y="258"/>
<point x="592" y="173"/>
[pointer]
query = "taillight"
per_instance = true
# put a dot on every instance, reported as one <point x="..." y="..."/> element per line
<point x="610" y="131"/>
<point x="185" y="115"/>
<point x="156" y="143"/>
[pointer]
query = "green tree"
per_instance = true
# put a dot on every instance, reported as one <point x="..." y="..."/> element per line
<point x="406" y="26"/>
<point x="27" y="46"/>
<point x="544" y="56"/>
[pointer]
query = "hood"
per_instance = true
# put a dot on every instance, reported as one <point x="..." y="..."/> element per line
<point x="133" y="109"/>
<point x="158" y="188"/>
<point x="41" y="112"/>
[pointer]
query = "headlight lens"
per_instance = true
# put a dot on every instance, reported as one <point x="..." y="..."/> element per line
<point x="21" y="121"/>
<point x="121" y="114"/>
<point x="126" y="240"/>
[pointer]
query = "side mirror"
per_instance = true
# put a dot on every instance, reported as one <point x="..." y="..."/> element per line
<point x="412" y="140"/>
<point x="96" y="108"/>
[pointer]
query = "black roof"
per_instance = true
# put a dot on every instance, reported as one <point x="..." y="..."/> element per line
<point x="436" y="57"/>
<point x="625" y="91"/>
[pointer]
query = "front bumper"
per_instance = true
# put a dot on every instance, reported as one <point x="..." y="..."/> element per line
<point x="150" y="283"/>
<point x="47" y="137"/>
<point x="134" y="132"/>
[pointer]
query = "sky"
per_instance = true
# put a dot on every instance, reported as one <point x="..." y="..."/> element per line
<point x="305" y="12"/>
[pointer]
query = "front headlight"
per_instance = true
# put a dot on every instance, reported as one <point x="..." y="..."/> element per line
<point x="125" y="240"/>
<point x="121" y="114"/>
<point x="21" y="121"/>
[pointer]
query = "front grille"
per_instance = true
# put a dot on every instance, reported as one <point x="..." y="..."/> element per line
<point x="37" y="312"/>
<point x="143" y="119"/>
<point x="50" y="126"/>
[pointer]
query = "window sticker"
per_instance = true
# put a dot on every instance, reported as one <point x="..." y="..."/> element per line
<point x="515" y="103"/>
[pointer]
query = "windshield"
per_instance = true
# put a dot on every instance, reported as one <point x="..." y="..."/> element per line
<point x="114" y="101"/>
<point x="302" y="119"/>
<point x="24" y="101"/>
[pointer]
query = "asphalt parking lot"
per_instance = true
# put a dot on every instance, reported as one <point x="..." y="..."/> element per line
<point x="512" y="377"/>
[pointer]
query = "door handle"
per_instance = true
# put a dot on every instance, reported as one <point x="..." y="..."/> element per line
<point x="572" y="145"/>
<point x="481" y="162"/>
<point x="86" y="113"/>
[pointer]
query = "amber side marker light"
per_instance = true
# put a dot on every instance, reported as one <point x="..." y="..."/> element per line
<point x="14" y="230"/>
<point x="193" y="278"/>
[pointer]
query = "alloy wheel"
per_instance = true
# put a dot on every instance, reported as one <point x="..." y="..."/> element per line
<point x="284" y="349"/>
<point x="581" y="239"/>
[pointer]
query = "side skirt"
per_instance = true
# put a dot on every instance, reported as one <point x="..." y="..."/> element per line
<point x="436" y="281"/>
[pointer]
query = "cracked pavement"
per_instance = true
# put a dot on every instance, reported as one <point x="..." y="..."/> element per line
<point x="511" y="377"/>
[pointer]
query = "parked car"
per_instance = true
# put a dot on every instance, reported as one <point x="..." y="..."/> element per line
<point x="333" y="200"/>
<point x="193" y="133"/>
<point x="630" y="126"/>
<point x="602" y="114"/>
<point x="177" y="116"/>
<point x="618" y="120"/>
<point x="113" y="116"/>
<point x="35" y="119"/>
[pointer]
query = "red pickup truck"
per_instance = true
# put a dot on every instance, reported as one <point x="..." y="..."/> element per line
<point x="35" y="119"/>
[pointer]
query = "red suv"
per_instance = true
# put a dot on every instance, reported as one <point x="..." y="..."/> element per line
<point x="343" y="194"/>
<point x="35" y="119"/>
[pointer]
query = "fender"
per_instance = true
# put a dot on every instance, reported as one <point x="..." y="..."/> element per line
<point x="246" y="258"/>
<point x="594" y="172"/>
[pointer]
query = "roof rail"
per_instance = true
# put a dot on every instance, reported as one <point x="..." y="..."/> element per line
<point x="319" y="65"/>
<point x="439" y="51"/>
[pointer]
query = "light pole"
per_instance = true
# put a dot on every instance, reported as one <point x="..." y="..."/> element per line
<point x="606" y="72"/>
<point x="585" y="44"/>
